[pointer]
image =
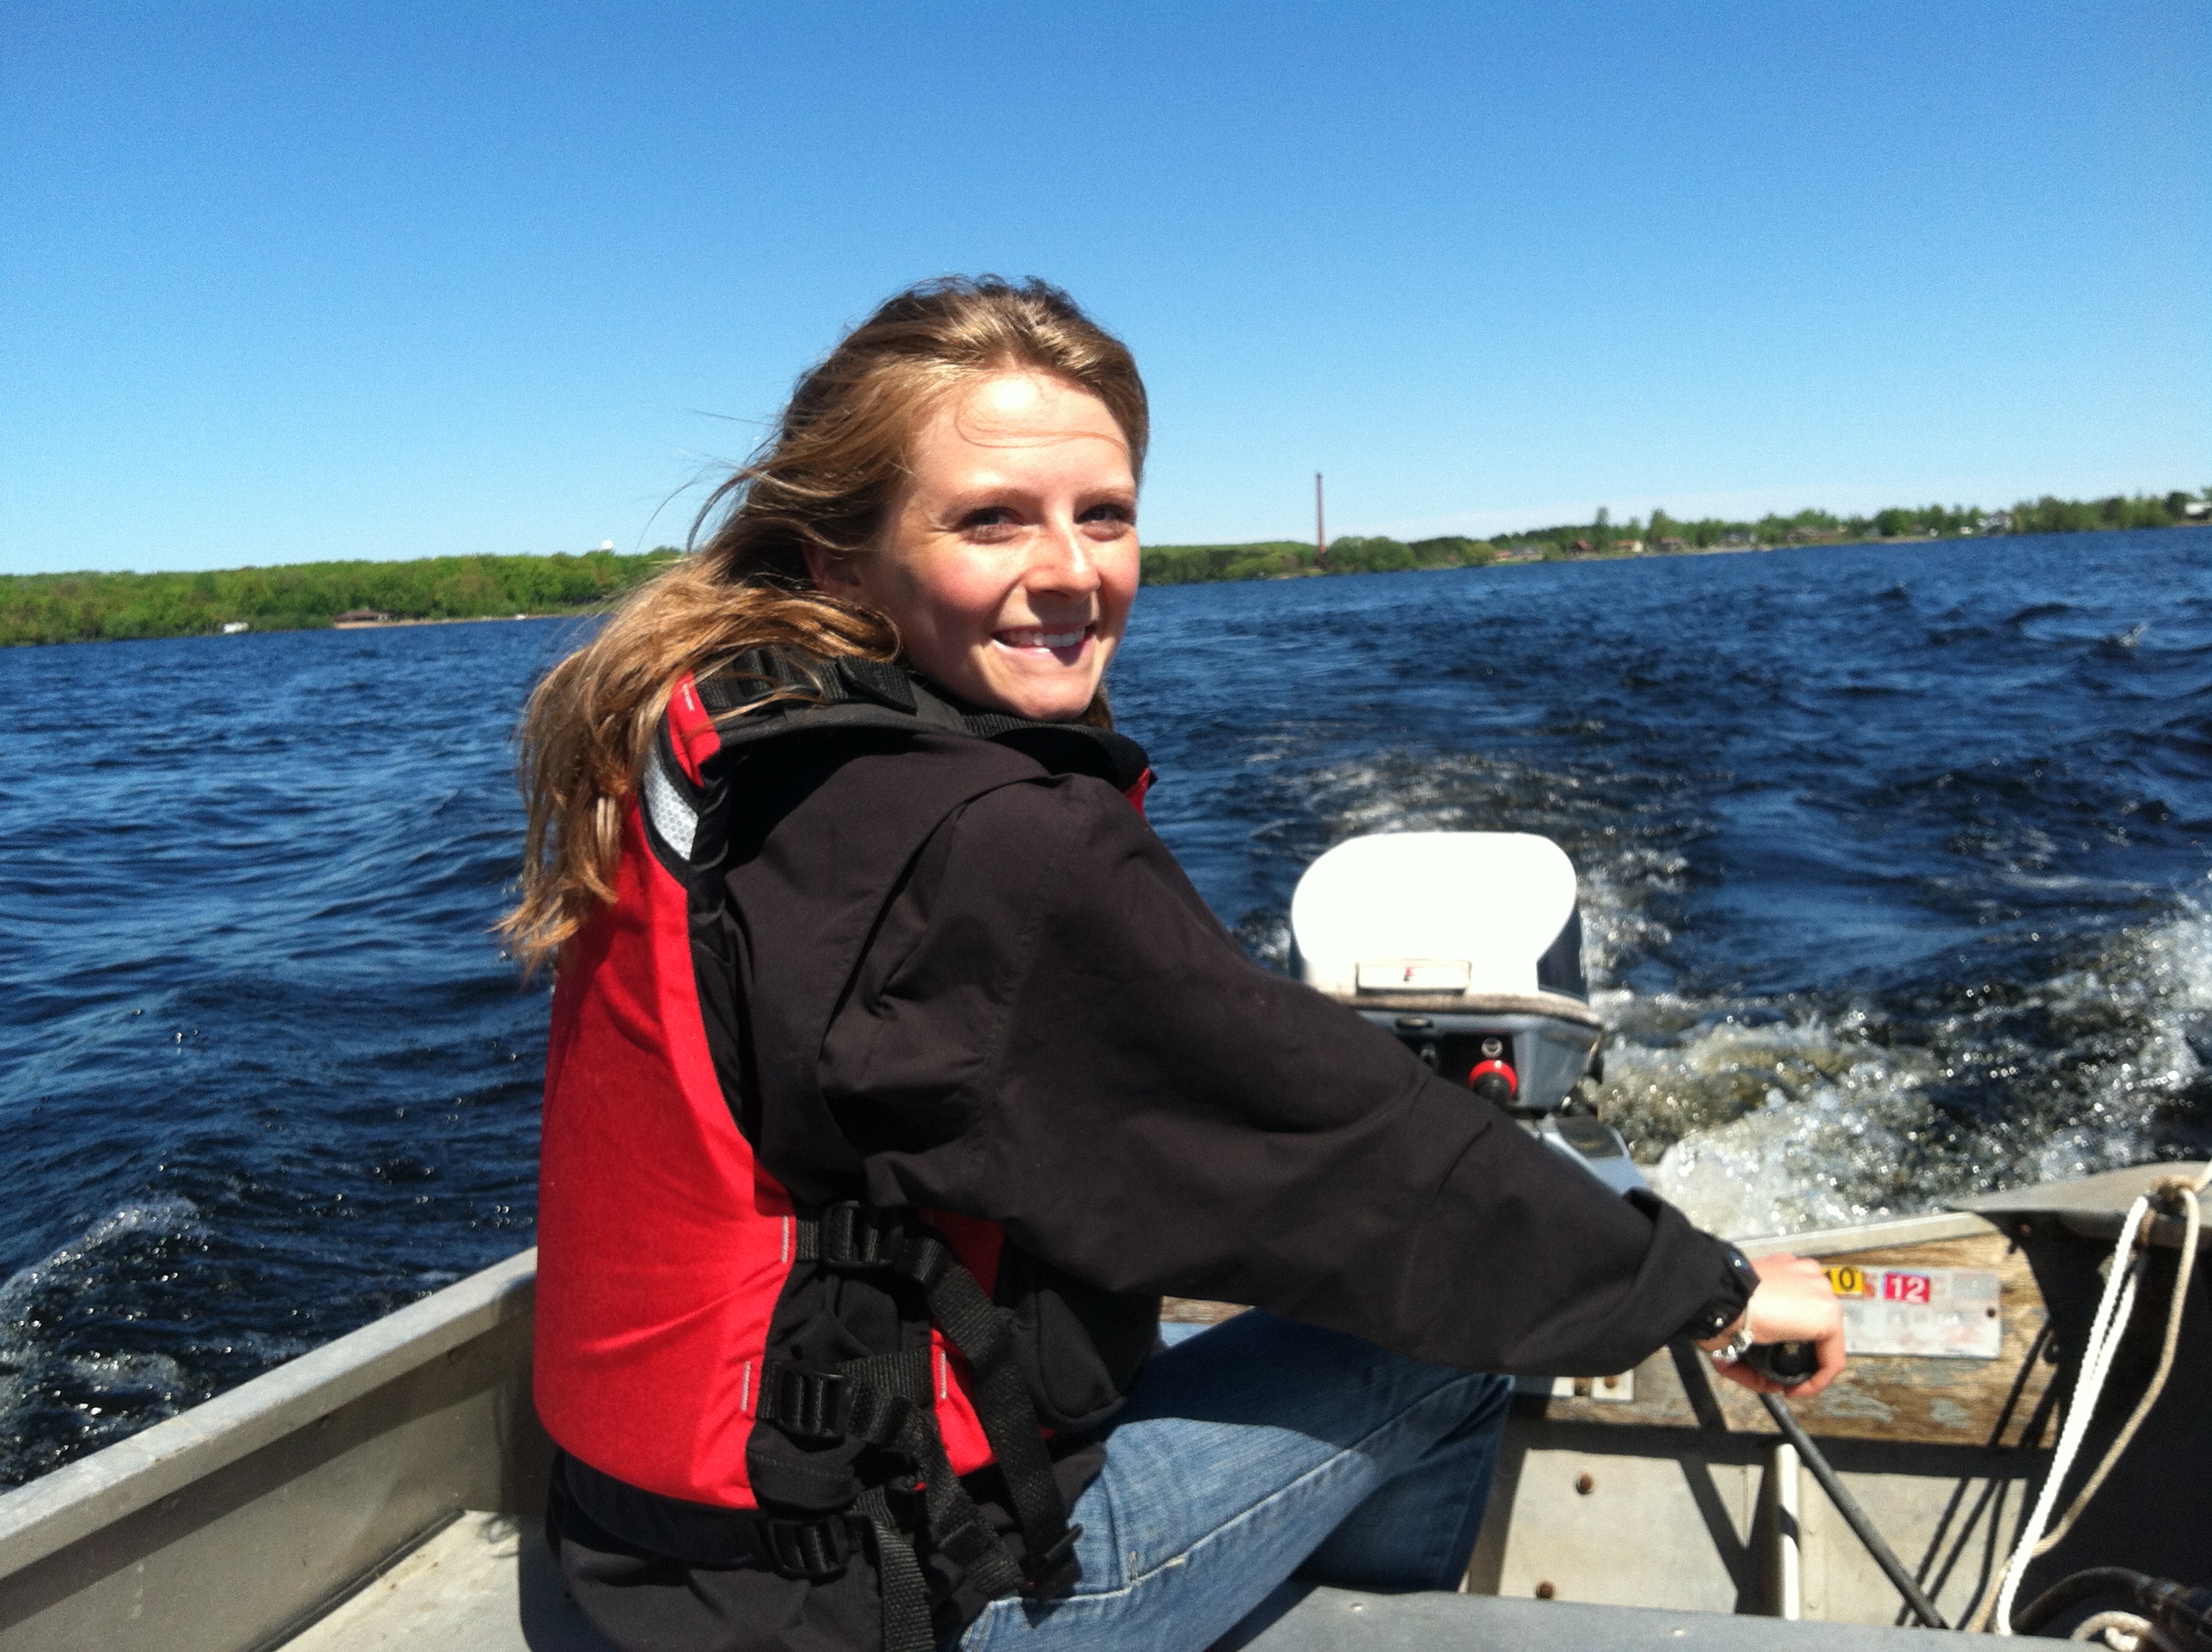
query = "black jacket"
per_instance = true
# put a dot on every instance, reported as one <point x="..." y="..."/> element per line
<point x="941" y="972"/>
<point x="1034" y="1019"/>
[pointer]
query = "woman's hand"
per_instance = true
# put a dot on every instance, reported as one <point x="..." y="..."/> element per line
<point x="1792" y="1303"/>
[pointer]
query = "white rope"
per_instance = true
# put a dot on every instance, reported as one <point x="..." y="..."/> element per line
<point x="2186" y="1191"/>
<point x="2122" y="1631"/>
<point x="2105" y="1330"/>
<point x="2105" y="1333"/>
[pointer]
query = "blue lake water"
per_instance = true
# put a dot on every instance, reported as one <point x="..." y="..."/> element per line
<point x="1894" y="864"/>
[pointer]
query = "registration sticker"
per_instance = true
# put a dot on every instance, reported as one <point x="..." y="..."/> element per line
<point x="1936" y="1313"/>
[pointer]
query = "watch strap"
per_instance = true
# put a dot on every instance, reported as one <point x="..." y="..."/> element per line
<point x="1736" y="1346"/>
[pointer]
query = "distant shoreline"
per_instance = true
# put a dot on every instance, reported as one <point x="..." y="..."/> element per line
<point x="441" y="619"/>
<point x="1283" y="559"/>
<point x="43" y="608"/>
<point x="318" y="596"/>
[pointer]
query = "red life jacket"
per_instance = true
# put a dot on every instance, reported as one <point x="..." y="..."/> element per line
<point x="665" y="1246"/>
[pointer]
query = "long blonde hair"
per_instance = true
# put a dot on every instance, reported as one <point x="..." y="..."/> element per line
<point x="826" y="480"/>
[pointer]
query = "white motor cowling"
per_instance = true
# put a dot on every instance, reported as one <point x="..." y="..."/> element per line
<point x="1437" y="914"/>
<point x="1466" y="947"/>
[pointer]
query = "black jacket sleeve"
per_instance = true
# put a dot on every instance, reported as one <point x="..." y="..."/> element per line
<point x="1050" y="1030"/>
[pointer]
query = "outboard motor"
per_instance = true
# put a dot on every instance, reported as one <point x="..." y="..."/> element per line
<point x="1468" y="947"/>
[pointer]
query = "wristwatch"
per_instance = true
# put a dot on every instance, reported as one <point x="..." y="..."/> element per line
<point x="1729" y="1309"/>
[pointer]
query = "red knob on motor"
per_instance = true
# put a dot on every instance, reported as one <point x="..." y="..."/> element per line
<point x="1494" y="1081"/>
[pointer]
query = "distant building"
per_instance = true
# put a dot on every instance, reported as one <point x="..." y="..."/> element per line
<point x="1997" y="522"/>
<point x="232" y="627"/>
<point x="1520" y="553"/>
<point x="1669" y="544"/>
<point x="1582" y="548"/>
<point x="359" y="616"/>
<point x="1739" y="538"/>
<point x="1810" y="536"/>
<point x="1629" y="547"/>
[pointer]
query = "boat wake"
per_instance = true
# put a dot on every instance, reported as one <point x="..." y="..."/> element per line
<point x="1776" y="1118"/>
<point x="67" y="1386"/>
<point x="2027" y="1056"/>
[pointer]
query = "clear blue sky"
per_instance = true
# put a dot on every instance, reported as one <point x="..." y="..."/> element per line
<point x="304" y="280"/>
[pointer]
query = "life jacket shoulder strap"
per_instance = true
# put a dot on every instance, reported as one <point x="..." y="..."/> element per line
<point x="767" y="693"/>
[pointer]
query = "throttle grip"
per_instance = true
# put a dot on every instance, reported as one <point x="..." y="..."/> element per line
<point x="1786" y="1363"/>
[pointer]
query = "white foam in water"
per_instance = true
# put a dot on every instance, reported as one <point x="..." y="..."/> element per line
<point x="1763" y="1115"/>
<point x="158" y="1216"/>
<point x="1615" y="926"/>
<point x="1784" y="1170"/>
<point x="2163" y="975"/>
<point x="275" y="1350"/>
<point x="1837" y="1136"/>
<point x="1825" y="1134"/>
<point x="26" y="1364"/>
<point x="114" y="1372"/>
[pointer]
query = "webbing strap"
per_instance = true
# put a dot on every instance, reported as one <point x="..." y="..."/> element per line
<point x="898" y="1575"/>
<point x="867" y="1399"/>
<point x="851" y="1235"/>
<point x="958" y="1531"/>
<point x="786" y="690"/>
<point x="956" y="1525"/>
<point x="885" y="1400"/>
<point x="982" y="1332"/>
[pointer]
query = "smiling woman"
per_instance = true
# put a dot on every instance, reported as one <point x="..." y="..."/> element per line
<point x="819" y="547"/>
<point x="896" y="1071"/>
<point x="1010" y="558"/>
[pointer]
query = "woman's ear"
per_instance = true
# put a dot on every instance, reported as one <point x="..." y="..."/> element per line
<point x="830" y="573"/>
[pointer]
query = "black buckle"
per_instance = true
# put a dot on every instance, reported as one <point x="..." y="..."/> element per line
<point x="1049" y="1576"/>
<point x="875" y="1416"/>
<point x="806" y="1404"/>
<point x="879" y="681"/>
<point x="815" y="1550"/>
<point x="854" y="1235"/>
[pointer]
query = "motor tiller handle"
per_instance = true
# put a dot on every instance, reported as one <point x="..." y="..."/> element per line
<point x="1786" y="1363"/>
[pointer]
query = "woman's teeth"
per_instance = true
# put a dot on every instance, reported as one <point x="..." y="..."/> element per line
<point x="1037" y="637"/>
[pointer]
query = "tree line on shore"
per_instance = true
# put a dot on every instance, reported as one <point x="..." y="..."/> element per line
<point x="1664" y="534"/>
<point x="302" y="596"/>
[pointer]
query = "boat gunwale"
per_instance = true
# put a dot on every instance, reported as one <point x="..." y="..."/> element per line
<point x="45" y="1515"/>
<point x="1922" y="1229"/>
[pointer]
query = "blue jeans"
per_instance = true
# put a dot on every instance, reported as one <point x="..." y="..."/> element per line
<point x="1257" y="1450"/>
